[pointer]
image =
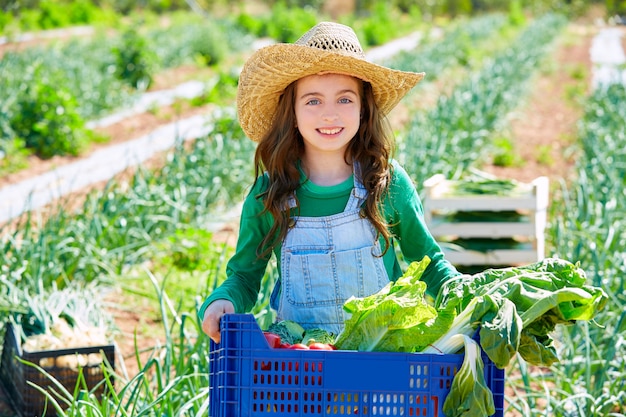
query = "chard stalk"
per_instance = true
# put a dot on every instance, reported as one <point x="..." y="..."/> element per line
<point x="461" y="325"/>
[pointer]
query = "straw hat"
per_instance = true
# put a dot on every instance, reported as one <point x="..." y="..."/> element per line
<point x="325" y="48"/>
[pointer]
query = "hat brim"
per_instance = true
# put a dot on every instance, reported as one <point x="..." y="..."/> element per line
<point x="271" y="69"/>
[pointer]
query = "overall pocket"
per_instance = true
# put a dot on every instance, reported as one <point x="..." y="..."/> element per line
<point x="324" y="277"/>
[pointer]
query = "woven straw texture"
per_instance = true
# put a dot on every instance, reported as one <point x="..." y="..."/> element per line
<point x="326" y="48"/>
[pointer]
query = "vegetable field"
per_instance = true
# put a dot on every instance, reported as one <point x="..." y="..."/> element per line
<point x="508" y="91"/>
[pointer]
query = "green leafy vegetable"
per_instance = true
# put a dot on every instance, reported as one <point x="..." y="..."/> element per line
<point x="514" y="310"/>
<point x="288" y="330"/>
<point x="469" y="394"/>
<point x="397" y="318"/>
<point x="482" y="183"/>
<point x="540" y="296"/>
<point x="500" y="328"/>
<point x="317" y="335"/>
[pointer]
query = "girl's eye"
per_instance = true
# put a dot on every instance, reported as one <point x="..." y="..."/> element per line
<point x="313" y="101"/>
<point x="345" y="100"/>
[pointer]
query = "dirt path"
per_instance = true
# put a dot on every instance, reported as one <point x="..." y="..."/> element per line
<point x="544" y="129"/>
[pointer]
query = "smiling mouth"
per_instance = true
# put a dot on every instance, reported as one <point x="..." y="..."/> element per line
<point x="330" y="131"/>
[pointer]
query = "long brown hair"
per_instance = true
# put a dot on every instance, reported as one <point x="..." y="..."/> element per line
<point x="280" y="148"/>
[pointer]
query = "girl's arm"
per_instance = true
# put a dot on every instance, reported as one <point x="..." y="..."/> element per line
<point x="244" y="270"/>
<point x="412" y="234"/>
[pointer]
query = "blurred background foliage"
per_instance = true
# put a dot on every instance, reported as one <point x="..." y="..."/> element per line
<point x="29" y="15"/>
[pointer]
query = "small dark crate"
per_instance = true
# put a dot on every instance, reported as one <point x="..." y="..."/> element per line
<point x="27" y="400"/>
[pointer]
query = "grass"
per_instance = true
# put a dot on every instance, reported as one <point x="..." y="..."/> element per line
<point x="188" y="263"/>
<point x="505" y="153"/>
<point x="544" y="155"/>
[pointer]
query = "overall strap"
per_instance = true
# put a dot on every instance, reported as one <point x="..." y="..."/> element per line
<point x="359" y="193"/>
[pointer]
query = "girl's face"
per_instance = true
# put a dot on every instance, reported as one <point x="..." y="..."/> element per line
<point x="328" y="111"/>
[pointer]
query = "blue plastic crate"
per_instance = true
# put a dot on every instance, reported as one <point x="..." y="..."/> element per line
<point x="248" y="378"/>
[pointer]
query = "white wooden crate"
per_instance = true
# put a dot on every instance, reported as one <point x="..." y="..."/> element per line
<point x="495" y="256"/>
<point x="530" y="201"/>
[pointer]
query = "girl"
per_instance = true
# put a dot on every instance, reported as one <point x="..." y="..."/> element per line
<point x="328" y="199"/>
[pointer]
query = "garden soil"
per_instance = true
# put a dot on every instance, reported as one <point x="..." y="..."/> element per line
<point x="543" y="130"/>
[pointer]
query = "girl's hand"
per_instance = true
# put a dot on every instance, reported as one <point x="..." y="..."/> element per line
<point x="212" y="316"/>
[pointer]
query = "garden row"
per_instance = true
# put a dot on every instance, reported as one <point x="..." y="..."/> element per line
<point x="49" y="93"/>
<point x="589" y="226"/>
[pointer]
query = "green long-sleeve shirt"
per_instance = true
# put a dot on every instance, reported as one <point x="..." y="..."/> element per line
<point x="403" y="211"/>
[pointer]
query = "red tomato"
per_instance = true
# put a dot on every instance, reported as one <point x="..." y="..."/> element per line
<point x="298" y="346"/>
<point x="272" y="339"/>
<point x="321" y="346"/>
<point x="284" y="346"/>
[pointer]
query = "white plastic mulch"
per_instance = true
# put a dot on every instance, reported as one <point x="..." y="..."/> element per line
<point x="607" y="55"/>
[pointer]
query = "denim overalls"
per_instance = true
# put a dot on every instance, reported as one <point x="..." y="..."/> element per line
<point x="324" y="261"/>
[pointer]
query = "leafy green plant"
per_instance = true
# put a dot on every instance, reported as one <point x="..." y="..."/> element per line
<point x="514" y="310"/>
<point x="544" y="155"/>
<point x="190" y="249"/>
<point x="287" y="24"/>
<point x="82" y="12"/>
<point x="469" y="393"/>
<point x="397" y="318"/>
<point x="136" y="63"/>
<point x="51" y="15"/>
<point x="29" y="19"/>
<point x="6" y="18"/>
<point x="196" y="41"/>
<point x="223" y="89"/>
<point x="47" y="118"/>
<point x="210" y="47"/>
<point x="380" y="27"/>
<point x="504" y="153"/>
<point x="249" y="23"/>
<point x="516" y="13"/>
<point x="13" y="156"/>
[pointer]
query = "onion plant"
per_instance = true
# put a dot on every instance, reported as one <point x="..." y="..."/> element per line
<point x="454" y="135"/>
<point x="588" y="226"/>
<point x="115" y="226"/>
<point x="465" y="38"/>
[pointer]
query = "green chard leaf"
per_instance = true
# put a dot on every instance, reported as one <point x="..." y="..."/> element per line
<point x="537" y="350"/>
<point x="469" y="394"/>
<point x="539" y="296"/>
<point x="515" y="309"/>
<point x="500" y="330"/>
<point x="317" y="335"/>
